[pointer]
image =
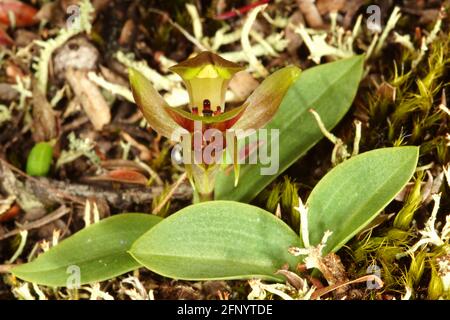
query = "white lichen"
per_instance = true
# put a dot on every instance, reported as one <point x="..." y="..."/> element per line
<point x="390" y="25"/>
<point x="5" y="114"/>
<point x="313" y="253"/>
<point x="113" y="88"/>
<point x="22" y="292"/>
<point x="159" y="81"/>
<point x="22" y="86"/>
<point x="336" y="42"/>
<point x="83" y="24"/>
<point x="444" y="270"/>
<point x="97" y="293"/>
<point x="245" y="42"/>
<point x="284" y="291"/>
<point x="78" y="148"/>
<point x="91" y="214"/>
<point x="430" y="235"/>
<point x="137" y="291"/>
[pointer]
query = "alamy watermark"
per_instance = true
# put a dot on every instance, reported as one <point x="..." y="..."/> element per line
<point x="376" y="271"/>
<point x="374" y="20"/>
<point x="74" y="278"/>
<point x="73" y="21"/>
<point x="212" y="146"/>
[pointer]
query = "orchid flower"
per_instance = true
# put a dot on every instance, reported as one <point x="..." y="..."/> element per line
<point x="206" y="77"/>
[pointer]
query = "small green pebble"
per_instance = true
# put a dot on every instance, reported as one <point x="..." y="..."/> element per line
<point x="40" y="159"/>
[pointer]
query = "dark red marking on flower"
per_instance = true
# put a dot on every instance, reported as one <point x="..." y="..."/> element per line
<point x="188" y="124"/>
<point x="185" y="123"/>
<point x="218" y="111"/>
<point x="195" y="110"/>
<point x="207" y="112"/>
<point x="237" y="12"/>
<point x="206" y="104"/>
<point x="227" y="124"/>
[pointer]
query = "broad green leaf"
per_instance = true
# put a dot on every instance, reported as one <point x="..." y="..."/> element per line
<point x="330" y="90"/>
<point x="99" y="252"/>
<point x="353" y="193"/>
<point x="218" y="240"/>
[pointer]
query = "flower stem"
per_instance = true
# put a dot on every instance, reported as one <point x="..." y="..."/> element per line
<point x="203" y="197"/>
<point x="203" y="180"/>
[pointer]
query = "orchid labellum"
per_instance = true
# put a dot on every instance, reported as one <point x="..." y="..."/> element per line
<point x="206" y="77"/>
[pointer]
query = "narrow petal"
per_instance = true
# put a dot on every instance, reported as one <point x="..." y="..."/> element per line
<point x="152" y="105"/>
<point x="236" y="164"/>
<point x="263" y="103"/>
<point x="181" y="118"/>
<point x="220" y="122"/>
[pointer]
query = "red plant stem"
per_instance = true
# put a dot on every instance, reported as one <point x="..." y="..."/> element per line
<point x="239" y="11"/>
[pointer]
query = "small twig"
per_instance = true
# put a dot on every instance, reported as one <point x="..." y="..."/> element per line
<point x="4" y="268"/>
<point x="179" y="28"/>
<point x="443" y="104"/>
<point x="76" y="124"/>
<point x="245" y="42"/>
<point x="51" y="191"/>
<point x="151" y="172"/>
<point x="170" y="194"/>
<point x="48" y="188"/>
<point x="240" y="11"/>
<point x="311" y="13"/>
<point x="340" y="152"/>
<point x="114" y="88"/>
<point x="145" y="153"/>
<point x="55" y="215"/>
<point x="357" y="138"/>
<point x="320" y="292"/>
<point x="23" y="241"/>
<point x="196" y="22"/>
<point x="390" y="25"/>
<point x="68" y="223"/>
<point x="334" y="140"/>
<point x="371" y="47"/>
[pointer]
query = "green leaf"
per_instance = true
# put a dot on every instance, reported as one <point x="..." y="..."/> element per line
<point x="40" y="159"/>
<point x="354" y="192"/>
<point x="218" y="240"/>
<point x="99" y="251"/>
<point x="330" y="90"/>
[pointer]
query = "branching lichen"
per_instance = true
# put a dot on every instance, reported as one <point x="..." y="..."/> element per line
<point x="78" y="148"/>
<point x="82" y="24"/>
